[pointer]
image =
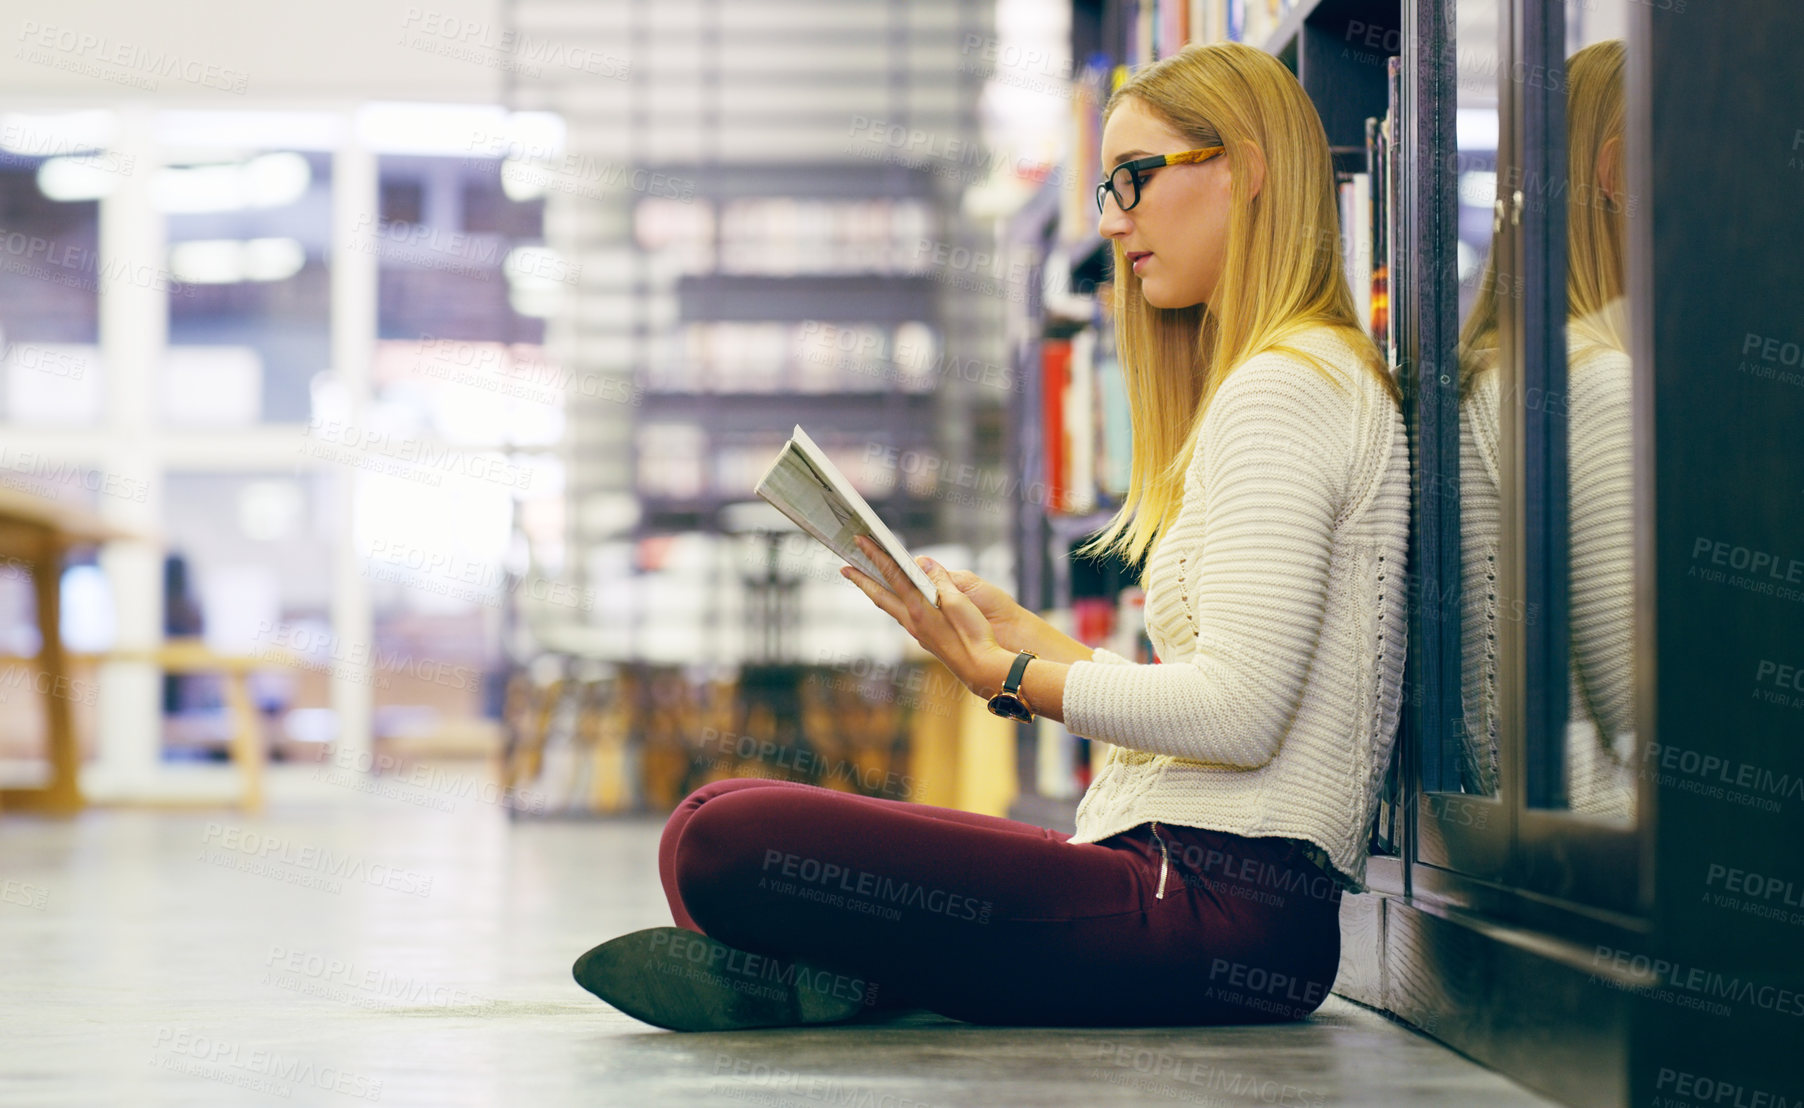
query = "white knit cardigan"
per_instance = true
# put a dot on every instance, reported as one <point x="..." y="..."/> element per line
<point x="1276" y="606"/>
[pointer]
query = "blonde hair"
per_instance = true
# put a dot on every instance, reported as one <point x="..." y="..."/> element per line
<point x="1282" y="272"/>
<point x="1595" y="238"/>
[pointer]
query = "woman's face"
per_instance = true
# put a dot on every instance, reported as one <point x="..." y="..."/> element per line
<point x="1176" y="237"/>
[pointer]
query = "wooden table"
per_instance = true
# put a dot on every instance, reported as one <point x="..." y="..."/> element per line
<point x="35" y="534"/>
<point x="195" y="656"/>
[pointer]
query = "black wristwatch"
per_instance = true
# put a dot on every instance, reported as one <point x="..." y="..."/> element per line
<point x="1009" y="703"/>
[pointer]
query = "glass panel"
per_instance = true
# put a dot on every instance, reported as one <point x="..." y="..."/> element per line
<point x="1600" y="733"/>
<point x="242" y="574"/>
<point x="53" y="170"/>
<point x="248" y="232"/>
<point x="469" y="399"/>
<point x="1483" y="290"/>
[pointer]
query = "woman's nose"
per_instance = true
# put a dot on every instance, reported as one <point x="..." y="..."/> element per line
<point x="1113" y="222"/>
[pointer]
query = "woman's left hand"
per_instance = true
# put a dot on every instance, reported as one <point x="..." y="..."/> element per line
<point x="956" y="632"/>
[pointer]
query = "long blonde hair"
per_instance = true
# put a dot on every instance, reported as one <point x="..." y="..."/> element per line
<point x="1595" y="238"/>
<point x="1282" y="272"/>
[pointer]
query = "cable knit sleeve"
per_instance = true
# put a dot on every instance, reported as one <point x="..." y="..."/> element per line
<point x="1262" y="497"/>
<point x="1603" y="546"/>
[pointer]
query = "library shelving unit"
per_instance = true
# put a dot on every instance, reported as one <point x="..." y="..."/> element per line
<point x="792" y="264"/>
<point x="1597" y="959"/>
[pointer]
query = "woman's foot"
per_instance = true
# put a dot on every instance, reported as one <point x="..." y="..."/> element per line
<point x="675" y="978"/>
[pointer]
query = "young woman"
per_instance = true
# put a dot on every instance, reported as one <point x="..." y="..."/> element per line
<point x="1239" y="777"/>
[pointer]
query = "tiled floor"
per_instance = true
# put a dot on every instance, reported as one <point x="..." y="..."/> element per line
<point x="379" y="948"/>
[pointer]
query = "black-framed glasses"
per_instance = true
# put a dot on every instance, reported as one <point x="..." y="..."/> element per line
<point x="1125" y="180"/>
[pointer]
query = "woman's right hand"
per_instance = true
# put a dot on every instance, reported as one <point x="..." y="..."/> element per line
<point x="1015" y="627"/>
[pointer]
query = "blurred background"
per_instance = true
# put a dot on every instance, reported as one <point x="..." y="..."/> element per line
<point x="384" y="386"/>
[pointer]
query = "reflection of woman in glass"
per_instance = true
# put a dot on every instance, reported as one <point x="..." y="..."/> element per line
<point x="1596" y="411"/>
<point x="1270" y="499"/>
<point x="1599" y="740"/>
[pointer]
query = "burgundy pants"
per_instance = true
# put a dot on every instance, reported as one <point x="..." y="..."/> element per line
<point x="994" y="921"/>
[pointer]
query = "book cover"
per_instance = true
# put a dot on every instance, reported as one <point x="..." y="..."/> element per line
<point x="805" y="485"/>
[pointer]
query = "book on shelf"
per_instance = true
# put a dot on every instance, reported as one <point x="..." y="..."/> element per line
<point x="1260" y="18"/>
<point x="1378" y="231"/>
<point x="1087" y="430"/>
<point x="1116" y="452"/>
<point x="1080" y="425"/>
<point x="1089" y="90"/>
<point x="1172" y="29"/>
<point x="1355" y="191"/>
<point x="805" y="485"/>
<point x="1162" y="27"/>
<point x="1055" y="375"/>
<point x="1393" y="189"/>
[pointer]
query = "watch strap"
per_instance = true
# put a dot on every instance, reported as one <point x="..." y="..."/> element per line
<point x="1013" y="683"/>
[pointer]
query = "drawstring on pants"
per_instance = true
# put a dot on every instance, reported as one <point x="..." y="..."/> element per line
<point x="1164" y="861"/>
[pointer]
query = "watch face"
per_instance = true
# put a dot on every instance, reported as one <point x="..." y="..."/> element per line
<point x="1010" y="706"/>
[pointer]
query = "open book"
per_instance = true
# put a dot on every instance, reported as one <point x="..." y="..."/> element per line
<point x="808" y="488"/>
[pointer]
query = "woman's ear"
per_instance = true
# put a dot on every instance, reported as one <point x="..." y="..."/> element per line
<point x="1254" y="160"/>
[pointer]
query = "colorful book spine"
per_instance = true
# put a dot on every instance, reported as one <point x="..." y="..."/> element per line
<point x="1080" y="424"/>
<point x="1117" y="451"/>
<point x="1055" y="367"/>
